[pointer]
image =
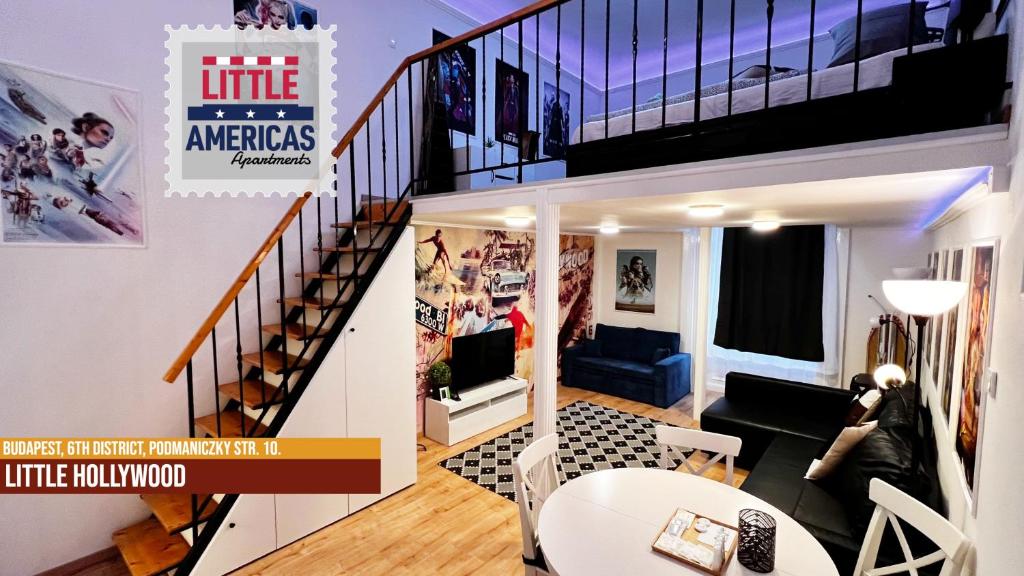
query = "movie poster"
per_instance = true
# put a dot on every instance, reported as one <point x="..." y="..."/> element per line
<point x="636" y="274"/>
<point x="939" y="323"/>
<point x="511" y="105"/>
<point x="556" y="121"/>
<point x="471" y="280"/>
<point x="70" y="163"/>
<point x="274" y="13"/>
<point x="952" y="317"/>
<point x="980" y="304"/>
<point x="456" y="84"/>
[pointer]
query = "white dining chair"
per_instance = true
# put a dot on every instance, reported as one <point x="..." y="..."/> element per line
<point x="892" y="505"/>
<point x="535" y="473"/>
<point x="674" y="440"/>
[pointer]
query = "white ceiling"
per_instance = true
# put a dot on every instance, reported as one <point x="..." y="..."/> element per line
<point x="892" y="200"/>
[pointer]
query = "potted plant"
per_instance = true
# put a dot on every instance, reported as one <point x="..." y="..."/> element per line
<point x="440" y="376"/>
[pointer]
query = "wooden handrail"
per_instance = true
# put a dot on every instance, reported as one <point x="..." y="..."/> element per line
<point x="236" y="288"/>
<point x="378" y="99"/>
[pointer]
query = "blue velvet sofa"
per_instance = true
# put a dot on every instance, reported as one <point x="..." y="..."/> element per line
<point x="632" y="363"/>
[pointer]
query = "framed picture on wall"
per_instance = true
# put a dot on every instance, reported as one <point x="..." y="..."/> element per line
<point x="71" y="162"/>
<point x="950" y="375"/>
<point x="936" y="351"/>
<point x="636" y="276"/>
<point x="456" y="84"/>
<point x="556" y="121"/>
<point x="976" y="352"/>
<point x="511" y="106"/>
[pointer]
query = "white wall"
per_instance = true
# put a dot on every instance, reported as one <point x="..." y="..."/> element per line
<point x="86" y="333"/>
<point x="667" y="278"/>
<point x="874" y="252"/>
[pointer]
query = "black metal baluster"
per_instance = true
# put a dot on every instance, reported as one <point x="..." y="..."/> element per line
<point x="195" y="517"/>
<point x="635" y="31"/>
<point x="910" y="27"/>
<point x="355" y="225"/>
<point x="732" y="51"/>
<point x="191" y="400"/>
<point x="384" y="156"/>
<point x="302" y="268"/>
<point x="699" y="58"/>
<point x="536" y="81"/>
<point x="519" y="117"/>
<point x="810" y="52"/>
<point x="483" y="149"/>
<point x="369" y="187"/>
<point x="768" y="53"/>
<point x="216" y="377"/>
<point x="497" y="91"/>
<point x="259" y="320"/>
<point x="398" y="155"/>
<point x="412" y="146"/>
<point x="241" y="378"/>
<point x="664" y="63"/>
<point x="284" y="334"/>
<point x="607" y="50"/>
<point x="856" y="48"/>
<point x="583" y="59"/>
<point x="319" y="257"/>
<point x="558" y="59"/>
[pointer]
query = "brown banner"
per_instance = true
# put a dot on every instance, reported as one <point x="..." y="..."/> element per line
<point x="222" y="476"/>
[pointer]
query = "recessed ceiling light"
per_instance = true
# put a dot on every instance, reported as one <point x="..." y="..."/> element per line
<point x="706" y="210"/>
<point x="765" y="225"/>
<point x="517" y="221"/>
<point x="609" y="229"/>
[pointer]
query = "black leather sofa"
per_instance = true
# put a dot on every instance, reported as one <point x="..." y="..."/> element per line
<point x="785" y="425"/>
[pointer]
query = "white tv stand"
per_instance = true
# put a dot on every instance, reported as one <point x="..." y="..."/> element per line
<point x="481" y="408"/>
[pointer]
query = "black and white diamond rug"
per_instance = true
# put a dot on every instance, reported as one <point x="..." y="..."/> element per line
<point x="591" y="437"/>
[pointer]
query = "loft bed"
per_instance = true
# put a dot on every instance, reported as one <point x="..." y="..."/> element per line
<point x="945" y="80"/>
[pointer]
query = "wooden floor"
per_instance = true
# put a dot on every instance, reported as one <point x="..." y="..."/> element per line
<point x="443" y="524"/>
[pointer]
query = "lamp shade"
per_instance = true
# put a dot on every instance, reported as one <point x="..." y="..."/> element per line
<point x="924" y="297"/>
<point x="890" y="376"/>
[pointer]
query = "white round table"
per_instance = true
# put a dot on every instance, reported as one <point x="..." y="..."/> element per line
<point x="605" y="523"/>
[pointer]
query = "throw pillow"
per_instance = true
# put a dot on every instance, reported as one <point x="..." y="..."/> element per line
<point x="592" y="348"/>
<point x="847" y="440"/>
<point x="863" y="408"/>
<point x="660" y="354"/>
<point x="882" y="30"/>
<point x="760" y="71"/>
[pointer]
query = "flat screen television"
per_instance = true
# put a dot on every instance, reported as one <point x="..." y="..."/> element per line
<point x="483" y="357"/>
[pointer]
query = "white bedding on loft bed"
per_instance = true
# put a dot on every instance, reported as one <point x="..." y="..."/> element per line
<point x="875" y="72"/>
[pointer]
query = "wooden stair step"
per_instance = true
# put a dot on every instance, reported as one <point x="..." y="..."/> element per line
<point x="230" y="425"/>
<point x="174" y="511"/>
<point x="296" y="331"/>
<point x="148" y="549"/>
<point x="274" y="361"/>
<point x="359" y="224"/>
<point x="377" y="210"/>
<point x="257" y="394"/>
<point x="322" y="276"/>
<point x="315" y="303"/>
<point x="348" y="249"/>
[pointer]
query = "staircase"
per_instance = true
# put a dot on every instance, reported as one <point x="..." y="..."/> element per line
<point x="255" y="404"/>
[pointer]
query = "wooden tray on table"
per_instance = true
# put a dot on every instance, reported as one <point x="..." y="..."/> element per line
<point x="687" y="546"/>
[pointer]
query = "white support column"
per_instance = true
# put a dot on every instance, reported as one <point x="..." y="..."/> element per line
<point x="700" y="344"/>
<point x="545" y="348"/>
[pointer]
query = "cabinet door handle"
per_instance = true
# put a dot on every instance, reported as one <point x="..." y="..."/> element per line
<point x="352" y="329"/>
<point x="231" y="525"/>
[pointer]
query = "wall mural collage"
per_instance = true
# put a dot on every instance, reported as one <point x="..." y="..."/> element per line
<point x="958" y="349"/>
<point x="470" y="281"/>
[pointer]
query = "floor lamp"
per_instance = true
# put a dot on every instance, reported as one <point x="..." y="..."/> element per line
<point x="922" y="299"/>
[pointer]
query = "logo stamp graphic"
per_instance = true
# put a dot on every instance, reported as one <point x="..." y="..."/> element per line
<point x="250" y="111"/>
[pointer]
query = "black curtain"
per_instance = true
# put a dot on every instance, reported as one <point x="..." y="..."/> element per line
<point x="770" y="294"/>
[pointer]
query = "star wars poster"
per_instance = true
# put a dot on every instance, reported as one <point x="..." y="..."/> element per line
<point x="635" y="281"/>
<point x="556" y="121"/>
<point x="70" y="163"/>
<point x="456" y="84"/>
<point x="510" y="107"/>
